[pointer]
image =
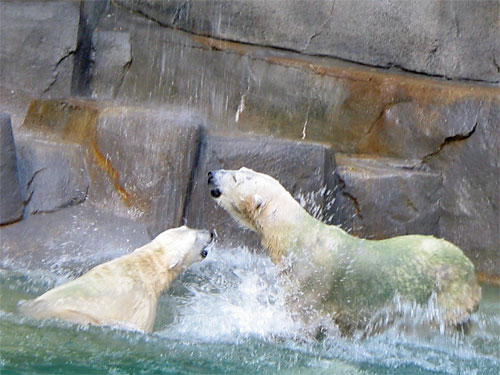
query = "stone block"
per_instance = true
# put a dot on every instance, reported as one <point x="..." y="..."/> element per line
<point x="52" y="175"/>
<point x="385" y="197"/>
<point x="112" y="56"/>
<point x="433" y="37"/>
<point x="470" y="165"/>
<point x="39" y="39"/>
<point x="11" y="204"/>
<point x="305" y="170"/>
<point x="70" y="241"/>
<point x="289" y="95"/>
<point x="143" y="163"/>
<point x="139" y="160"/>
<point x="412" y="129"/>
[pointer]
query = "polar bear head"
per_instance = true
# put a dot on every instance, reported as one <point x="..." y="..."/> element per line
<point x="183" y="246"/>
<point x="252" y="198"/>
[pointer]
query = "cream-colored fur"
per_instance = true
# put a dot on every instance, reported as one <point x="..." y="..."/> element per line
<point x="332" y="273"/>
<point x="124" y="291"/>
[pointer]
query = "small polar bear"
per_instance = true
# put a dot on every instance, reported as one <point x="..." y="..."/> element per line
<point x="124" y="291"/>
<point x="358" y="283"/>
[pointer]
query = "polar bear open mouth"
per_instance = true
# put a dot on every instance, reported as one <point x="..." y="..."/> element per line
<point x="209" y="244"/>
<point x="214" y="189"/>
<point x="237" y="191"/>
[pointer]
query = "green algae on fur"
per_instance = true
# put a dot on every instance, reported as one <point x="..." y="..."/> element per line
<point x="349" y="279"/>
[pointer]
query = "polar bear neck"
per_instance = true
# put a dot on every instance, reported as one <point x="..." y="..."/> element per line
<point x="155" y="267"/>
<point x="285" y="227"/>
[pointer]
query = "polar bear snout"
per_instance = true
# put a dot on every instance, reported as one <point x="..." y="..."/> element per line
<point x="205" y="244"/>
<point x="215" y="191"/>
<point x="208" y="244"/>
<point x="207" y="236"/>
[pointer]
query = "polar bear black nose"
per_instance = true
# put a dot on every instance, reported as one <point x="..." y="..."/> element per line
<point x="216" y="193"/>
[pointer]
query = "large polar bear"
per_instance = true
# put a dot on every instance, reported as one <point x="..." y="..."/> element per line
<point x="358" y="283"/>
<point x="124" y="291"/>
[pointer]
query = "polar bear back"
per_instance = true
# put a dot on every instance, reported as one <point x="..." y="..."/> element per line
<point x="105" y="295"/>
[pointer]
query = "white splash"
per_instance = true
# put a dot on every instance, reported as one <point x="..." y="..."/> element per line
<point x="241" y="107"/>
<point x="304" y="129"/>
<point x="238" y="296"/>
<point x="318" y="203"/>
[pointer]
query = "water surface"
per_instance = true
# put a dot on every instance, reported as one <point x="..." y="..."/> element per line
<point x="227" y="315"/>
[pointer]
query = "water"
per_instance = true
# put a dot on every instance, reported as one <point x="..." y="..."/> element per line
<point x="227" y="315"/>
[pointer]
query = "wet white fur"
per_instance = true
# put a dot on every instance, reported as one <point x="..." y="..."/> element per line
<point x="124" y="291"/>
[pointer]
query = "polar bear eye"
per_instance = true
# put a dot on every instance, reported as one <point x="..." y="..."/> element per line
<point x="204" y="253"/>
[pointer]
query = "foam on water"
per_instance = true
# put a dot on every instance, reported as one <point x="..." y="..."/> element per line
<point x="233" y="294"/>
<point x="228" y="314"/>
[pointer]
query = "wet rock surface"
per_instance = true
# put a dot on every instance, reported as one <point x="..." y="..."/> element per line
<point x="146" y="160"/>
<point x="39" y="39"/>
<point x="290" y="95"/>
<point x="62" y="241"/>
<point x="51" y="175"/>
<point x="470" y="168"/>
<point x="11" y="204"/>
<point x="139" y="161"/>
<point x="387" y="197"/>
<point x="437" y="38"/>
<point x="110" y="67"/>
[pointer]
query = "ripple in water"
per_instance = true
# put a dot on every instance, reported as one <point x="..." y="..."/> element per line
<point x="228" y="315"/>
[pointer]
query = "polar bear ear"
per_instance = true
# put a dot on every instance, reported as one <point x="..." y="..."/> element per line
<point x="175" y="260"/>
<point x="258" y="201"/>
<point x="173" y="265"/>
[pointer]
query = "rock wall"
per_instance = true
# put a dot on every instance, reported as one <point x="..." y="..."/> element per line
<point x="381" y="117"/>
<point x="454" y="39"/>
<point x="39" y="40"/>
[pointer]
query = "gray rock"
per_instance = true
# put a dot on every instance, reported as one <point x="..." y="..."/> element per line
<point x="70" y="241"/>
<point x="90" y="14"/>
<point x="146" y="160"/>
<point x="139" y="160"/>
<point x="387" y="197"/>
<point x="38" y="42"/>
<point x="470" y="165"/>
<point x="11" y="204"/>
<point x="432" y="37"/>
<point x="52" y="175"/>
<point x="14" y="103"/>
<point x="305" y="170"/>
<point x="409" y="129"/>
<point x="247" y="88"/>
<point x="111" y="59"/>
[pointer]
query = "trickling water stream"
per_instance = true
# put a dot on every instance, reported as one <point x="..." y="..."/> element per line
<point x="227" y="315"/>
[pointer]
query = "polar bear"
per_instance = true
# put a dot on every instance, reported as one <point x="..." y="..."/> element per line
<point x="124" y="291"/>
<point x="360" y="284"/>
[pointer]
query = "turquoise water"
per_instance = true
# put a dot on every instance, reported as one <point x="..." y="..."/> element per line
<point x="227" y="315"/>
